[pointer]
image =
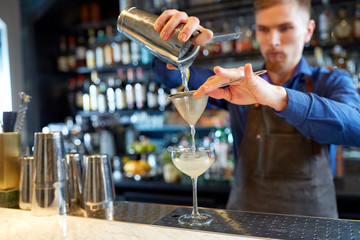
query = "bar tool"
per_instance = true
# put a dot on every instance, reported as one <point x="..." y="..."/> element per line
<point x="97" y="182"/>
<point x="50" y="193"/>
<point x="74" y="171"/>
<point x="26" y="172"/>
<point x="139" y="27"/>
<point x="25" y="99"/>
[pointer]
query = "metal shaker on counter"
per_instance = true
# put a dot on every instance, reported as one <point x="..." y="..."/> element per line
<point x="73" y="161"/>
<point x="50" y="195"/>
<point x="26" y="172"/>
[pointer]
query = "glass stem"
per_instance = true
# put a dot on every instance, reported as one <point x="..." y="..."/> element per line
<point x="195" y="211"/>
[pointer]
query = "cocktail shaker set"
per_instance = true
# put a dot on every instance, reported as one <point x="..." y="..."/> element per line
<point x="54" y="183"/>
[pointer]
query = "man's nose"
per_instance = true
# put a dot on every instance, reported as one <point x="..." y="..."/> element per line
<point x="274" y="38"/>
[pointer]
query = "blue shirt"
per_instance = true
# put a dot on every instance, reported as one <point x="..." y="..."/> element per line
<point x="329" y="115"/>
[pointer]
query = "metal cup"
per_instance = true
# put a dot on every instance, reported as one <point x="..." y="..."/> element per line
<point x="50" y="196"/>
<point x="139" y="27"/>
<point x="73" y="161"/>
<point x="97" y="182"/>
<point x="25" y="182"/>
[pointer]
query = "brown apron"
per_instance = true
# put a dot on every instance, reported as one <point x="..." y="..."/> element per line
<point x="281" y="171"/>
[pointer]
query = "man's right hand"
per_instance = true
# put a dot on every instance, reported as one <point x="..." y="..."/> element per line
<point x="169" y="20"/>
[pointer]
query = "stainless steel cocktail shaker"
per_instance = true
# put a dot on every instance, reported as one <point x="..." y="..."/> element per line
<point x="139" y="27"/>
<point x="50" y="195"/>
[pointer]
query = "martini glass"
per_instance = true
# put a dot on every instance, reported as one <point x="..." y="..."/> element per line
<point x="193" y="162"/>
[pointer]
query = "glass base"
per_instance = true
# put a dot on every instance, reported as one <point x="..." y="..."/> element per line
<point x="195" y="220"/>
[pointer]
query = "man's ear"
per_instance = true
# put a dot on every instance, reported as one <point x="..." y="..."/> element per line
<point x="309" y="30"/>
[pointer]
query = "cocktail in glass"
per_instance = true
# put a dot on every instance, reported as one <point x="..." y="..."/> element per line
<point x="193" y="162"/>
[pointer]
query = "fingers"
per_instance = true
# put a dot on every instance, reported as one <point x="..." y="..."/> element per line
<point x="213" y="83"/>
<point x="203" y="38"/>
<point x="169" y="20"/>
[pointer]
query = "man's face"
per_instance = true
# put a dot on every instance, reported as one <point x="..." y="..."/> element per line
<point x="281" y="33"/>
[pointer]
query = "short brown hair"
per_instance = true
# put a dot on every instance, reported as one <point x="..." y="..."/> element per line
<point x="262" y="4"/>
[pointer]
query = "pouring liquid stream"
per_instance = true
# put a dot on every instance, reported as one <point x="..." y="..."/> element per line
<point x="184" y="79"/>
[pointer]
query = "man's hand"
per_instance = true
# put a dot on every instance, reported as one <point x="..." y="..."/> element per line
<point x="252" y="90"/>
<point x="169" y="20"/>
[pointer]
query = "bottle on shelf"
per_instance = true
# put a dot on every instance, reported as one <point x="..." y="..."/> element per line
<point x="325" y="23"/>
<point x="108" y="50"/>
<point x="129" y="89"/>
<point x="62" y="64"/>
<point x="140" y="89"/>
<point x="110" y="94"/>
<point x="94" y="91"/>
<point x="86" y="95"/>
<point x="163" y="100"/>
<point x="116" y="48"/>
<point x="120" y="93"/>
<point x="79" y="92"/>
<point x="151" y="95"/>
<point x="356" y="27"/>
<point x="90" y="51"/>
<point x="99" y="50"/>
<point x="343" y="27"/>
<point x="146" y="56"/>
<point x="102" y="97"/>
<point x="80" y="51"/>
<point x="135" y="53"/>
<point x="71" y="57"/>
<point x="227" y="47"/>
<point x="244" y="42"/>
<point x="125" y="52"/>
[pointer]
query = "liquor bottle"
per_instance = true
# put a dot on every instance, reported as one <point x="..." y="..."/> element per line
<point x="325" y="23"/>
<point x="151" y="95"/>
<point x="71" y="57"/>
<point x="62" y="64"/>
<point x="80" y="51"/>
<point x="86" y="95"/>
<point x="94" y="91"/>
<point x="227" y="47"/>
<point x="163" y="100"/>
<point x="140" y="89"/>
<point x="146" y="56"/>
<point x="244" y="42"/>
<point x="116" y="48"/>
<point x="357" y="22"/>
<point x="99" y="50"/>
<point x="125" y="52"/>
<point x="129" y="89"/>
<point x="90" y="52"/>
<point x="120" y="94"/>
<point x="343" y="28"/>
<point x="135" y="53"/>
<point x="110" y="94"/>
<point x="79" y="92"/>
<point x="102" y="97"/>
<point x="108" y="50"/>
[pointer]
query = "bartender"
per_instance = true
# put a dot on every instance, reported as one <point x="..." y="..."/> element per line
<point x="286" y="122"/>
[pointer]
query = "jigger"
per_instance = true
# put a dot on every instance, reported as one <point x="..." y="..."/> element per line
<point x="190" y="108"/>
<point x="49" y="196"/>
<point x="97" y="182"/>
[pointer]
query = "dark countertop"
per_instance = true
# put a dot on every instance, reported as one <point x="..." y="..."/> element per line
<point x="234" y="222"/>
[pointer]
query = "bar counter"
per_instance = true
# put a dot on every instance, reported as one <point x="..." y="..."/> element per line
<point x="131" y="220"/>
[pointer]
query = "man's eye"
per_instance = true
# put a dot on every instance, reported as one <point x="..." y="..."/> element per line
<point x="261" y="29"/>
<point x="285" y="28"/>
